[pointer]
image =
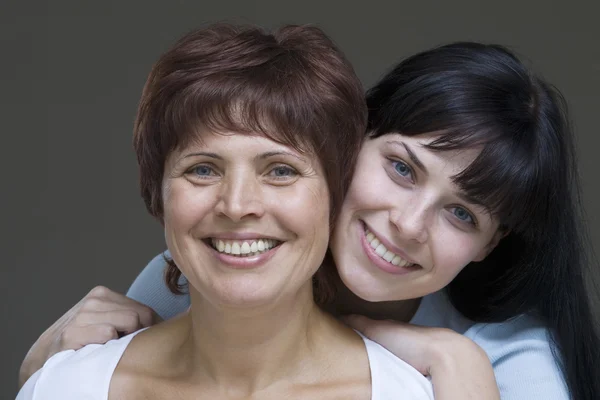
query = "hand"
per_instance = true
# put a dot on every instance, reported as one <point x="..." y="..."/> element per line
<point x="458" y="367"/>
<point x="102" y="315"/>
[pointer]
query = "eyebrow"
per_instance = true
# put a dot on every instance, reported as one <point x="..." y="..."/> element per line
<point x="205" y="154"/>
<point x="261" y="156"/>
<point x="473" y="201"/>
<point x="411" y="154"/>
<point x="269" y="154"/>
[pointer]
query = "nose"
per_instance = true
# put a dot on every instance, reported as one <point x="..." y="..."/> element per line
<point x="240" y="197"/>
<point x="411" y="220"/>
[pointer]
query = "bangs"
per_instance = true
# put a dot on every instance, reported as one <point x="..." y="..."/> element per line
<point x="504" y="176"/>
<point x="501" y="177"/>
<point x="467" y="97"/>
<point x="262" y="100"/>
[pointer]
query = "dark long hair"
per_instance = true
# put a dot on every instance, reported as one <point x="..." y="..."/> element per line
<point x="482" y="95"/>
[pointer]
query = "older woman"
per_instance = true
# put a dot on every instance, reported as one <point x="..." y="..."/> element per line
<point x="240" y="136"/>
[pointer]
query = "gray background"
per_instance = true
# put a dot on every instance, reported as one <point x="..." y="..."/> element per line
<point x="71" y="75"/>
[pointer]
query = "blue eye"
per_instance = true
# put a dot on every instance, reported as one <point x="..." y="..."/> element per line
<point x="463" y="215"/>
<point x="202" y="170"/>
<point x="283" y="171"/>
<point x="402" y="168"/>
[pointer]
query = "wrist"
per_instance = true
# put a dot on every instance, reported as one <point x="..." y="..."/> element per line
<point x="454" y="353"/>
<point x="460" y="369"/>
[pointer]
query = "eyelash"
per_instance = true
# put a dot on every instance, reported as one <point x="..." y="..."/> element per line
<point x="192" y="171"/>
<point x="472" y="222"/>
<point x="287" y="168"/>
<point x="395" y="163"/>
<point x="410" y="170"/>
<point x="292" y="172"/>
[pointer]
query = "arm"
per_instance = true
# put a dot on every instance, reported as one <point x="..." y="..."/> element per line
<point x="103" y="314"/>
<point x="519" y="351"/>
<point x="459" y="368"/>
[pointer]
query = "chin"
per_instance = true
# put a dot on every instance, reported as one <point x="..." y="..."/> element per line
<point x="364" y="288"/>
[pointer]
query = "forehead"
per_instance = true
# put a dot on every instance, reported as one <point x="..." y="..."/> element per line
<point x="231" y="139"/>
<point x="238" y="146"/>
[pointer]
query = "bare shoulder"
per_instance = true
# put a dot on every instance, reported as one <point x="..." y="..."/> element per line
<point x="146" y="366"/>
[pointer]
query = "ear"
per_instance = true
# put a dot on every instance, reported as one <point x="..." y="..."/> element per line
<point x="491" y="245"/>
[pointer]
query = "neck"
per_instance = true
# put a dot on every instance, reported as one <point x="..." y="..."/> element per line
<point x="346" y="302"/>
<point x="248" y="349"/>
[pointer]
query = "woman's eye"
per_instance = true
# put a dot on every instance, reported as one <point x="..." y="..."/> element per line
<point x="402" y="168"/>
<point x="282" y="172"/>
<point x="202" y="171"/>
<point x="463" y="215"/>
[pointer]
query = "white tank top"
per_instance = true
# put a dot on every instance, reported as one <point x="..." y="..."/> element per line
<point x="85" y="374"/>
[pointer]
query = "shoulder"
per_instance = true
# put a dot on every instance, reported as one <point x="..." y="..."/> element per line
<point x="149" y="288"/>
<point x="520" y="349"/>
<point x="77" y="375"/>
<point x="391" y="376"/>
<point x="523" y="356"/>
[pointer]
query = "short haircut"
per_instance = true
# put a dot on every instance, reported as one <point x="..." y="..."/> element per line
<point x="293" y="86"/>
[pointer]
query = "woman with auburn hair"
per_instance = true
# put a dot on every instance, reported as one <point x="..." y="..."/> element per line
<point x="246" y="142"/>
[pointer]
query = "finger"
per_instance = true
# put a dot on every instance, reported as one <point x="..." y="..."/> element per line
<point x="75" y="337"/>
<point x="102" y="292"/>
<point x="117" y="302"/>
<point x="111" y="300"/>
<point x="147" y="316"/>
<point x="124" y="321"/>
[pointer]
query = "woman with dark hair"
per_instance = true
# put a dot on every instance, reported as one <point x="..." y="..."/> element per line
<point x="463" y="214"/>
<point x="522" y="296"/>
<point x="246" y="142"/>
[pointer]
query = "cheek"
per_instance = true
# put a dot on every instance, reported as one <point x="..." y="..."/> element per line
<point x="304" y="208"/>
<point x="454" y="250"/>
<point x="184" y="204"/>
<point x="370" y="189"/>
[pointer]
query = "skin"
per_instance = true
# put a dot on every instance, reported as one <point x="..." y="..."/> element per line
<point x="412" y="205"/>
<point x="230" y="190"/>
<point x="253" y="329"/>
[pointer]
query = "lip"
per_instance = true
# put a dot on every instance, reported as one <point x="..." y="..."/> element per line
<point x="236" y="262"/>
<point x="387" y="244"/>
<point x="380" y="262"/>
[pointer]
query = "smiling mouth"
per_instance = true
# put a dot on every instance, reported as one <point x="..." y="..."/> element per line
<point x="243" y="248"/>
<point x="385" y="254"/>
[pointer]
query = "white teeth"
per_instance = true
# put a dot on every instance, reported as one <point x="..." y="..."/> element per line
<point x="383" y="252"/>
<point x="243" y="247"/>
<point x="388" y="256"/>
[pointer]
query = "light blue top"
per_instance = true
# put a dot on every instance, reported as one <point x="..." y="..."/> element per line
<point x="519" y="349"/>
